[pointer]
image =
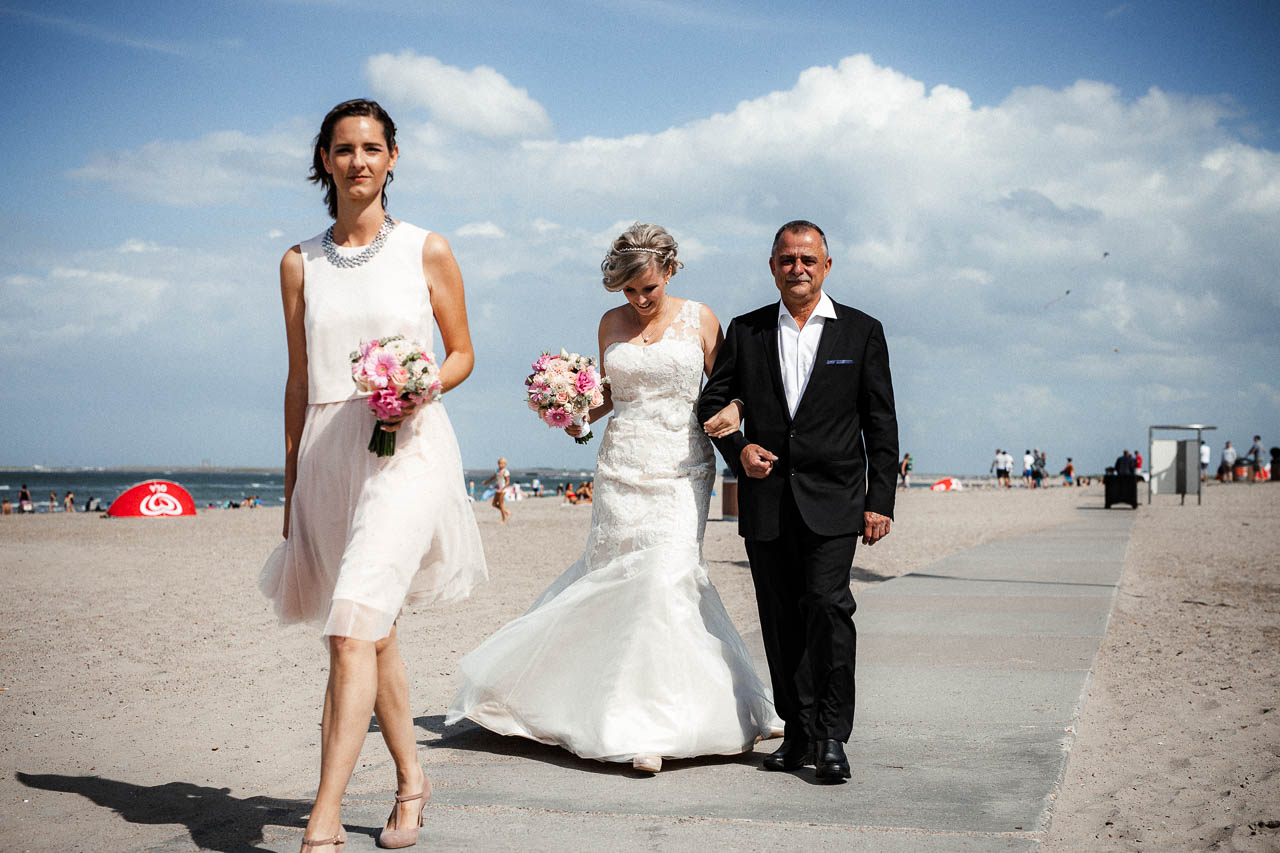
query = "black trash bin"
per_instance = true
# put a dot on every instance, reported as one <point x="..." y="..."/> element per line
<point x="1120" y="488"/>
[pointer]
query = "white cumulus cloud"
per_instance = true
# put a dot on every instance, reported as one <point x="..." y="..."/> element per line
<point x="222" y="168"/>
<point x="480" y="101"/>
<point x="480" y="229"/>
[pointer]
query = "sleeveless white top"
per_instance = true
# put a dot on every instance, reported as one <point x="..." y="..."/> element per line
<point x="385" y="296"/>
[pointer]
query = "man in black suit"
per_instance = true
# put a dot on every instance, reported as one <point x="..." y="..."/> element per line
<point x="820" y="463"/>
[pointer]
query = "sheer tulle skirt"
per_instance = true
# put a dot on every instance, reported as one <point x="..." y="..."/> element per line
<point x="368" y="535"/>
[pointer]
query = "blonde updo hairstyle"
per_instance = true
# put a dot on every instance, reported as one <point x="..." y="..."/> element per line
<point x="633" y="253"/>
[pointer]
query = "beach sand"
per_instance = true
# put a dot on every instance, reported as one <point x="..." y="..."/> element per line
<point x="145" y="683"/>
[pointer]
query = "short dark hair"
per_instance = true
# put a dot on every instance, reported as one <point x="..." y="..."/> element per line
<point x="795" y="226"/>
<point x="346" y="109"/>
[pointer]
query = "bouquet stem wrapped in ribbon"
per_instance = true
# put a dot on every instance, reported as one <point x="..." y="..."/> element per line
<point x="393" y="371"/>
<point x="563" y="388"/>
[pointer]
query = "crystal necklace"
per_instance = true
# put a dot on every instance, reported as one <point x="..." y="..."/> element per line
<point x="347" y="262"/>
<point x="647" y="336"/>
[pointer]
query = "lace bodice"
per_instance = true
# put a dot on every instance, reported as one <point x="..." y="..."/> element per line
<point x="666" y="374"/>
<point x="656" y="467"/>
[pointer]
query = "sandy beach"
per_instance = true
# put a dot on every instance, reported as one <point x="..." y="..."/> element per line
<point x="147" y="691"/>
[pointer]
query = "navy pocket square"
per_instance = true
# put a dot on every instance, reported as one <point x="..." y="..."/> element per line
<point x="839" y="361"/>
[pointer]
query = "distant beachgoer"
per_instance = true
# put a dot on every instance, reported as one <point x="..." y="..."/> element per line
<point x="1039" y="468"/>
<point x="1124" y="464"/>
<point x="1028" y="465"/>
<point x="399" y="529"/>
<point x="559" y="489"/>
<point x="535" y="487"/>
<point x="1006" y="468"/>
<point x="53" y="502"/>
<point x="94" y="505"/>
<point x="500" y="479"/>
<point x="69" y="502"/>
<point x="471" y="489"/>
<point x="570" y="496"/>
<point x="1068" y="473"/>
<point x="1227" y="469"/>
<point x="1137" y="461"/>
<point x="6" y="506"/>
<point x="904" y="470"/>
<point x="997" y="465"/>
<point x="1205" y="455"/>
<point x="1255" y="459"/>
<point x="25" y="504"/>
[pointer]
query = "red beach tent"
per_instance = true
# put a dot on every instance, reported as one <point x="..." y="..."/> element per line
<point x="153" y="499"/>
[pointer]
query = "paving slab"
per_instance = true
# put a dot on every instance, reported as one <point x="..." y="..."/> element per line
<point x="971" y="678"/>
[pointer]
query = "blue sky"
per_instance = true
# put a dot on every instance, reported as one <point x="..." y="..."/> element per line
<point x="971" y="161"/>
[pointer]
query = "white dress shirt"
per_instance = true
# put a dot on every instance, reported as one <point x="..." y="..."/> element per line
<point x="798" y="348"/>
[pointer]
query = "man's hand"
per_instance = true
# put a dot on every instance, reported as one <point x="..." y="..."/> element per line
<point x="757" y="462"/>
<point x="874" y="527"/>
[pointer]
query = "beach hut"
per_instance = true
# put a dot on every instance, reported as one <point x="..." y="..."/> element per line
<point x="153" y="499"/>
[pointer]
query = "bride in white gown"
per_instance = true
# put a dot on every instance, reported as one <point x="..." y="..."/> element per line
<point x="629" y="656"/>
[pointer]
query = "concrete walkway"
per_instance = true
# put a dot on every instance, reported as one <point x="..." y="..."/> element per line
<point x="971" y="676"/>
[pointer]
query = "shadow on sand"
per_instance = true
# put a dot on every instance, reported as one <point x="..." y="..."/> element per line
<point x="469" y="737"/>
<point x="215" y="819"/>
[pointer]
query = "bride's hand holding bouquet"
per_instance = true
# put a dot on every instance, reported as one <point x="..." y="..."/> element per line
<point x="563" y="389"/>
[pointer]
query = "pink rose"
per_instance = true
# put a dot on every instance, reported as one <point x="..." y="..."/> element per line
<point x="541" y="364"/>
<point x="397" y="378"/>
<point x="585" y="381"/>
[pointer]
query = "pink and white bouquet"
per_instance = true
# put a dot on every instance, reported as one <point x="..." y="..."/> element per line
<point x="563" y="388"/>
<point x="393" y="371"/>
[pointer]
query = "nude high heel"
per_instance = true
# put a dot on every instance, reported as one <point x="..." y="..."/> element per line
<point x="338" y="841"/>
<point x="647" y="763"/>
<point x="397" y="837"/>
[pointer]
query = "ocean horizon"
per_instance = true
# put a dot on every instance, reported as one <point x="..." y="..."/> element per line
<point x="214" y="487"/>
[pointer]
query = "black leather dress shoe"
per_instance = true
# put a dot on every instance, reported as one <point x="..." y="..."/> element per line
<point x="830" y="761"/>
<point x="792" y="755"/>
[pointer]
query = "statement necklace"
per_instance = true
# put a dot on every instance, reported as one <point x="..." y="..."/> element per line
<point x="347" y="262"/>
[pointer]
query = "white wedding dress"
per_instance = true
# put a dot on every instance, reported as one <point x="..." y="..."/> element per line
<point x="630" y="652"/>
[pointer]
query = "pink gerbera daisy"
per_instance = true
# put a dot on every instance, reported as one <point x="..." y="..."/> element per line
<point x="558" y="417"/>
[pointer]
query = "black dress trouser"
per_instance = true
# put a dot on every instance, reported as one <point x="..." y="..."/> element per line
<point x="806" y="617"/>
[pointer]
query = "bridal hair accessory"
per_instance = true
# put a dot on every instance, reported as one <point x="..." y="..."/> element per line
<point x="347" y="262"/>
<point x="640" y="249"/>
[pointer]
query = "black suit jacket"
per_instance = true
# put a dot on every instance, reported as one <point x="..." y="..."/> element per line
<point x="840" y="453"/>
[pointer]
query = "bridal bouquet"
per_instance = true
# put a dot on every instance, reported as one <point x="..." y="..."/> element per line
<point x="563" y="388"/>
<point x="393" y="371"/>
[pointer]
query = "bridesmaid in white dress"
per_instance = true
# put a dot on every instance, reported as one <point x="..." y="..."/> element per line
<point x="366" y="535"/>
<point x="630" y="656"/>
